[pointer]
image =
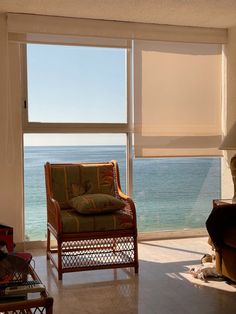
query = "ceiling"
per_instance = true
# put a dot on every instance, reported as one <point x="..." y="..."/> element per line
<point x="203" y="13"/>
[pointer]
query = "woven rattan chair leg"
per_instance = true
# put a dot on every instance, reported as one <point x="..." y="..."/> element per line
<point x="59" y="247"/>
<point x="48" y="243"/>
<point x="136" y="254"/>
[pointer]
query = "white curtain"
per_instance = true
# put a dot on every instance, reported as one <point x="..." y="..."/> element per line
<point x="177" y="104"/>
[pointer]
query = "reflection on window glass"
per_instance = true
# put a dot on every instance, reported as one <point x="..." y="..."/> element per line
<point x="36" y="154"/>
<point x="76" y="84"/>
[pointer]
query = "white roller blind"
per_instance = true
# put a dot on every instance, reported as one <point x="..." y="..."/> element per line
<point x="177" y="105"/>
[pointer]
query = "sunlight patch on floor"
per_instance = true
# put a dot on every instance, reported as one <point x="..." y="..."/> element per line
<point x="216" y="283"/>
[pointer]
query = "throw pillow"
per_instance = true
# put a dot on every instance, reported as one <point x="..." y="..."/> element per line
<point x="96" y="203"/>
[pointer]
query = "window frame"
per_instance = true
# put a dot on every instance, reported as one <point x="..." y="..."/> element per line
<point x="79" y="128"/>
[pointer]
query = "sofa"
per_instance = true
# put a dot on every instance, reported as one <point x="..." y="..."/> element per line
<point x="221" y="226"/>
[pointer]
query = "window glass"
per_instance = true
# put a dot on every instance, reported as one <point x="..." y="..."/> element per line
<point x="76" y="84"/>
<point x="175" y="193"/>
<point x="40" y="148"/>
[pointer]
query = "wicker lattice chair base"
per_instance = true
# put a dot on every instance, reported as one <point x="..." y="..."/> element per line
<point x="114" y="252"/>
<point x="98" y="242"/>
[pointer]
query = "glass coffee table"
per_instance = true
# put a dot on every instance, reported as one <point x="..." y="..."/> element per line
<point x="28" y="301"/>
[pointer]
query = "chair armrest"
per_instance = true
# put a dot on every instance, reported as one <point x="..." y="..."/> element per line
<point x="130" y="207"/>
<point x="54" y="214"/>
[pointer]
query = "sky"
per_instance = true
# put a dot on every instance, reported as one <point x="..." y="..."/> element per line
<point x="75" y="84"/>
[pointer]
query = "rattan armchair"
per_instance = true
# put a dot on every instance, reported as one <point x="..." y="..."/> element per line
<point x="87" y="242"/>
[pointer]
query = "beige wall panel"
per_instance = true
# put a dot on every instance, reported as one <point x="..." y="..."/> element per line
<point x="11" y="179"/>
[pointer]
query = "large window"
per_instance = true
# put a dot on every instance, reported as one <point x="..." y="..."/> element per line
<point x="81" y="96"/>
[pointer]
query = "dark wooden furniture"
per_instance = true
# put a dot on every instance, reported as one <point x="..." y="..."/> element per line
<point x="226" y="255"/>
<point x="88" y="249"/>
<point x="37" y="303"/>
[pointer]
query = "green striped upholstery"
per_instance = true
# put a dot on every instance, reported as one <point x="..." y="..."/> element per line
<point x="69" y="181"/>
<point x="73" y="222"/>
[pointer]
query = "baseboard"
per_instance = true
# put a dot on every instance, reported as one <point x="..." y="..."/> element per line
<point x="142" y="236"/>
<point x="172" y="234"/>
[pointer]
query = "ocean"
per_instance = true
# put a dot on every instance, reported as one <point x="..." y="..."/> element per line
<point x="169" y="193"/>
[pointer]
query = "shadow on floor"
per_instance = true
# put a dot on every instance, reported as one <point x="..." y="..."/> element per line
<point x="160" y="288"/>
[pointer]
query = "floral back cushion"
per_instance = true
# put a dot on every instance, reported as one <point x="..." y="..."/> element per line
<point x="72" y="180"/>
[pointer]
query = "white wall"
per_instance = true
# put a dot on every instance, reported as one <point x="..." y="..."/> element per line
<point x="11" y="174"/>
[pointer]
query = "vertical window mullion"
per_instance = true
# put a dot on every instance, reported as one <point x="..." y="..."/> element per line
<point x="129" y="144"/>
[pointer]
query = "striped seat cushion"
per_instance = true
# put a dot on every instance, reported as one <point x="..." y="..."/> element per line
<point x="73" y="222"/>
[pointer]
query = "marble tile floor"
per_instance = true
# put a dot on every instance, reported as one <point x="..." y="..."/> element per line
<point x="163" y="285"/>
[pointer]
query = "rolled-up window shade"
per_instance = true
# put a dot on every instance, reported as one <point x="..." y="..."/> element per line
<point x="177" y="104"/>
<point x="31" y="28"/>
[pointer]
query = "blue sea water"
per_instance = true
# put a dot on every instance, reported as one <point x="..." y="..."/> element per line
<point x="169" y="193"/>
